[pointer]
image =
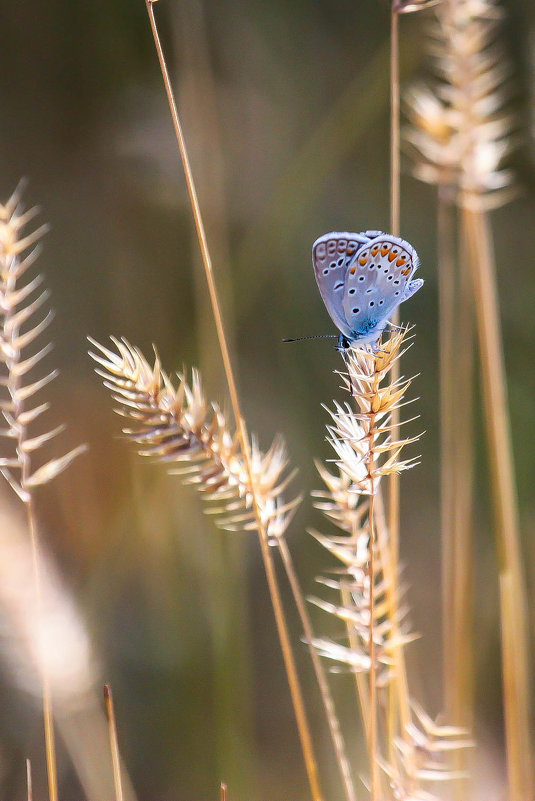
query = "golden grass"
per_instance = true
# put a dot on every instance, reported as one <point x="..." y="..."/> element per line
<point x="376" y="629"/>
<point x="461" y="133"/>
<point x="18" y="332"/>
<point x="171" y="421"/>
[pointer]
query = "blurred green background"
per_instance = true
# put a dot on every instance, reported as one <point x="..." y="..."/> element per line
<point x="285" y="110"/>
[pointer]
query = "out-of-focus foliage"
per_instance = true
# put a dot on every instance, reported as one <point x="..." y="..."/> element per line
<point x="285" y="109"/>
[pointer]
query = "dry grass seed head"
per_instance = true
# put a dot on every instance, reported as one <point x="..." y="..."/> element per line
<point x="18" y="331"/>
<point x="176" y="425"/>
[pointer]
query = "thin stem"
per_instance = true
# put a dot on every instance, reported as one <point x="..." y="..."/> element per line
<point x="328" y="704"/>
<point x="513" y="606"/>
<point x="463" y="712"/>
<point x="29" y="784"/>
<point x="374" y="778"/>
<point x="446" y="283"/>
<point x="114" y="743"/>
<point x="293" y="680"/>
<point x="391" y="575"/>
<point x="394" y="124"/>
<point x="393" y="481"/>
<point x="223" y="789"/>
<point x="25" y="468"/>
<point x="362" y="686"/>
<point x="48" y="715"/>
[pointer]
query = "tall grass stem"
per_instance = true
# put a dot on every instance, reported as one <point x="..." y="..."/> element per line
<point x="447" y="287"/>
<point x="48" y="714"/>
<point x="114" y="743"/>
<point x="328" y="704"/>
<point x="513" y="604"/>
<point x="293" y="679"/>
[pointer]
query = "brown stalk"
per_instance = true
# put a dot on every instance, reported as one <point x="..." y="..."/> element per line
<point x="463" y="712"/>
<point x="446" y="282"/>
<point x="513" y="607"/>
<point x="393" y="481"/>
<point x="17" y="468"/>
<point x="231" y="646"/>
<point x="374" y="774"/>
<point x="361" y="685"/>
<point x="293" y="680"/>
<point x="326" y="697"/>
<point x="114" y="743"/>
<point x="48" y="714"/>
<point x="29" y="785"/>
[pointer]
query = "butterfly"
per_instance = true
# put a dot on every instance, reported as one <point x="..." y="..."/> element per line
<point x="362" y="279"/>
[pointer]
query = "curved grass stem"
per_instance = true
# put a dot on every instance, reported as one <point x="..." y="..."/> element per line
<point x="293" y="680"/>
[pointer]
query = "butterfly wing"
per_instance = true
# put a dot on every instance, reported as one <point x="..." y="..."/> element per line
<point x="378" y="280"/>
<point x="332" y="256"/>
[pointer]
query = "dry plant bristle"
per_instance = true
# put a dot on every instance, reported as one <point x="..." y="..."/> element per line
<point x="17" y="332"/>
<point x="365" y="452"/>
<point x="462" y="131"/>
<point x="421" y="751"/>
<point x="18" y="252"/>
<point x="177" y="425"/>
<point x="461" y="128"/>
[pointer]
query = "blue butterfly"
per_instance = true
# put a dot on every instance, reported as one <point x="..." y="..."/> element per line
<point x="362" y="279"/>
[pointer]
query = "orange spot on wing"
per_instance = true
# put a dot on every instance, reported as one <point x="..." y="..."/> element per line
<point x="363" y="260"/>
<point x="375" y="250"/>
<point x="406" y="271"/>
<point x="352" y="270"/>
<point x="391" y="256"/>
<point x="401" y="261"/>
<point x="385" y="249"/>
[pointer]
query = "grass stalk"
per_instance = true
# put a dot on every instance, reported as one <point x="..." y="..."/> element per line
<point x="48" y="713"/>
<point x="114" y="743"/>
<point x="463" y="710"/>
<point x="391" y="571"/>
<point x="447" y="298"/>
<point x="395" y="701"/>
<point x="513" y="605"/>
<point x="17" y="468"/>
<point x="374" y="775"/>
<point x="393" y="481"/>
<point x="321" y="678"/>
<point x="29" y="783"/>
<point x="293" y="679"/>
<point x="362" y="686"/>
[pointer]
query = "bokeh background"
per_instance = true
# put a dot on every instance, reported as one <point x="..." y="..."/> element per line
<point x="285" y="110"/>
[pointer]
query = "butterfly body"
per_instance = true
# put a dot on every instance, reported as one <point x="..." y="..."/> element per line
<point x="362" y="279"/>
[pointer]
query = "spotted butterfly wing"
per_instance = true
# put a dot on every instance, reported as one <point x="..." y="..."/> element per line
<point x="362" y="278"/>
<point x="377" y="281"/>
<point x="332" y="256"/>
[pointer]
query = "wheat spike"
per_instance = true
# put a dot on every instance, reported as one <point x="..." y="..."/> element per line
<point x="176" y="425"/>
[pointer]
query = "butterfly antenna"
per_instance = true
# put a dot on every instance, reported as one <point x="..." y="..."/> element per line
<point x="314" y="336"/>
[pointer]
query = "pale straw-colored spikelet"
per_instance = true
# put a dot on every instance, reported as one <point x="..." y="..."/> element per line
<point x="360" y="434"/>
<point x="20" y="327"/>
<point x="461" y="126"/>
<point x="177" y="425"/>
<point x="424" y="755"/>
